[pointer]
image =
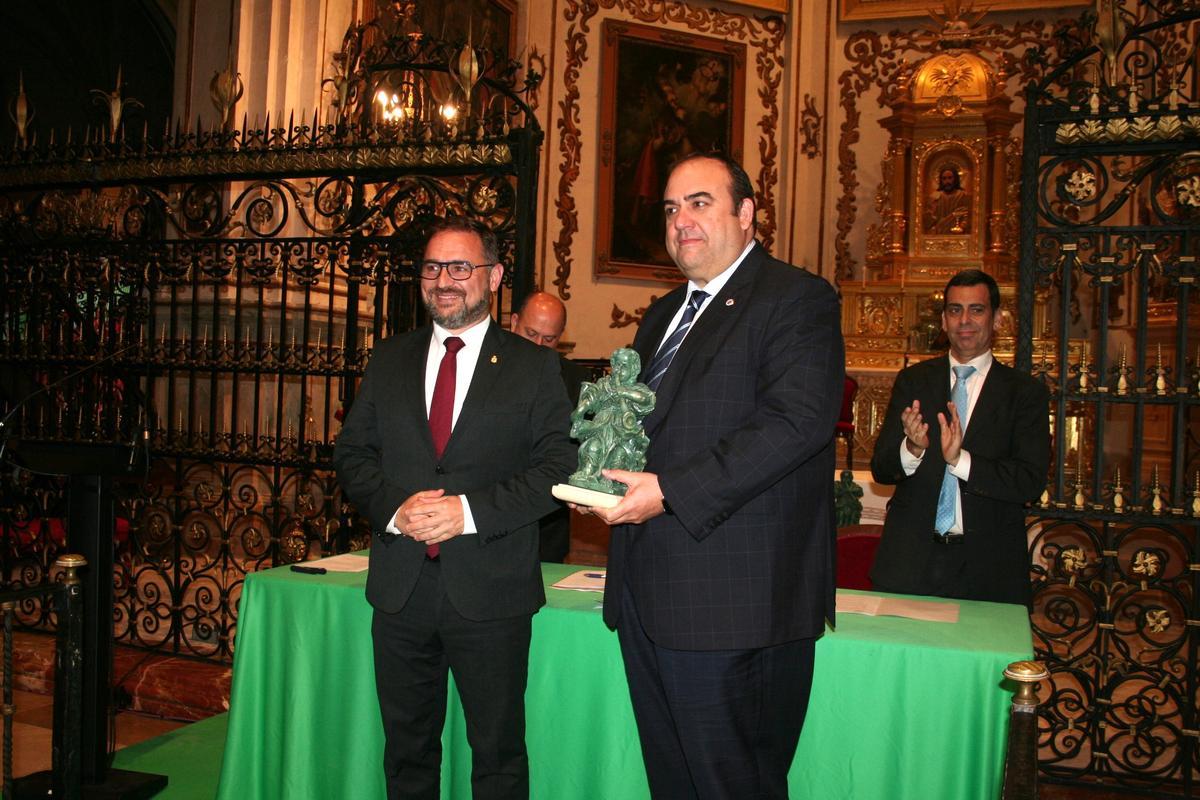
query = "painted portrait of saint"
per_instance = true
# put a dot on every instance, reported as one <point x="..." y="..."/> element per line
<point x="948" y="205"/>
<point x="670" y="102"/>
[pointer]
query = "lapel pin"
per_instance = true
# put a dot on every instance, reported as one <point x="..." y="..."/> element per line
<point x="730" y="301"/>
<point x="495" y="358"/>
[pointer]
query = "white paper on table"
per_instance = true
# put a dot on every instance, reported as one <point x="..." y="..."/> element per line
<point x="346" y="562"/>
<point x="875" y="606"/>
<point x="586" y="580"/>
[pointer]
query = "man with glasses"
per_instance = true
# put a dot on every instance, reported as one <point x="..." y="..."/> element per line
<point x="457" y="434"/>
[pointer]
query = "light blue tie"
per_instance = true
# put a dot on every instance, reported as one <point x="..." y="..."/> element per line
<point x="946" y="498"/>
<point x="662" y="359"/>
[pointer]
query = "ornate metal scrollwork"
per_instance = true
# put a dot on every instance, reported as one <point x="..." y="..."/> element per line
<point x="229" y="285"/>
<point x="1109" y="241"/>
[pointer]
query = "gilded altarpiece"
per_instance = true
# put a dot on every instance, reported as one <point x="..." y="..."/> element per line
<point x="946" y="202"/>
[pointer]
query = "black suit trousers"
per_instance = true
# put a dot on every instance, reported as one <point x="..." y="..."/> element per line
<point x="413" y="649"/>
<point x="716" y="723"/>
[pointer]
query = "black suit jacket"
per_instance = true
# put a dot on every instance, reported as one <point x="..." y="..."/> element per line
<point x="1008" y="438"/>
<point x="555" y="527"/>
<point x="741" y="439"/>
<point x="508" y="447"/>
<point x="573" y="376"/>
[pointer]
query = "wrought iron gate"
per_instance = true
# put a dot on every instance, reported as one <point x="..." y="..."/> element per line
<point x="1110" y="240"/>
<point x="219" y="292"/>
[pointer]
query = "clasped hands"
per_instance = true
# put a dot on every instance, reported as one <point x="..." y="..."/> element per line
<point x="643" y="499"/>
<point x="430" y="517"/>
<point x="916" y="432"/>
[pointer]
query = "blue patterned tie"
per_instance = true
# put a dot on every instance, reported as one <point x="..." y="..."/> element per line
<point x="945" y="506"/>
<point x="662" y="359"/>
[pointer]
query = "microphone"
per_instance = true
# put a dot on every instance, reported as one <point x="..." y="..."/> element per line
<point x="4" y="434"/>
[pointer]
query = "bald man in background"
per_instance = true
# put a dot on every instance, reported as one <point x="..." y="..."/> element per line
<point x="541" y="320"/>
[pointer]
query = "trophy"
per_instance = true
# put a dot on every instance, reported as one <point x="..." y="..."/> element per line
<point x="607" y="422"/>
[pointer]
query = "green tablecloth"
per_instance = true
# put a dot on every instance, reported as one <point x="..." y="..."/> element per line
<point x="900" y="708"/>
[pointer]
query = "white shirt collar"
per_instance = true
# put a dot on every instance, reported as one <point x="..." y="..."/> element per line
<point x="982" y="363"/>
<point x="472" y="337"/>
<point x="714" y="287"/>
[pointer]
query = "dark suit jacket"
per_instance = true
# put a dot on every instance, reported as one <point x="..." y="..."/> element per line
<point x="573" y="376"/>
<point x="741" y="439"/>
<point x="507" y="449"/>
<point x="1008" y="438"/>
<point x="555" y="528"/>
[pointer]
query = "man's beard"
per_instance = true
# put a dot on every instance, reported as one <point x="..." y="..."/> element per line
<point x="466" y="315"/>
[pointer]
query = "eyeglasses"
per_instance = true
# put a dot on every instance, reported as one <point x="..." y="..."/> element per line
<point x="459" y="270"/>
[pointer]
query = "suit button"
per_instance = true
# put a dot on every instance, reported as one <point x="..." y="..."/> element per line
<point x="438" y="469"/>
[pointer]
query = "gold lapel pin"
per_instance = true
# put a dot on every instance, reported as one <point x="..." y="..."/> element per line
<point x="729" y="302"/>
<point x="495" y="358"/>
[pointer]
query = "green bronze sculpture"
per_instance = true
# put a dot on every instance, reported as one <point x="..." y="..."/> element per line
<point x="607" y="422"/>
<point x="847" y="508"/>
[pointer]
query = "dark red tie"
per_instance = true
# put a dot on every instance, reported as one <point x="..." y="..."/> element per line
<point x="441" y="408"/>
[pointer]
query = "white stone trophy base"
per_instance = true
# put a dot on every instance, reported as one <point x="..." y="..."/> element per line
<point x="584" y="497"/>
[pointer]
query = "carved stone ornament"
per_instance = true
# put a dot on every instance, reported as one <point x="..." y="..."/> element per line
<point x="879" y="315"/>
<point x="810" y="128"/>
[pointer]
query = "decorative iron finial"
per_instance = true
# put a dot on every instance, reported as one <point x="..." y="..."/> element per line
<point x="1157" y="504"/>
<point x="225" y="89"/>
<point x="1118" y="490"/>
<point x="1109" y="33"/>
<point x="1196" y="495"/>
<point x="21" y="112"/>
<point x="116" y="106"/>
<point x="1160" y="374"/>
<point x="1084" y="371"/>
<point x="1176" y="96"/>
<point x="465" y="69"/>
<point x="1122" y="375"/>
<point x="1079" y="501"/>
<point x="341" y="82"/>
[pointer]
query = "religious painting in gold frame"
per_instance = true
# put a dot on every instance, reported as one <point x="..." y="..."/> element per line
<point x="855" y="10"/>
<point x="947" y="208"/>
<point x="664" y="94"/>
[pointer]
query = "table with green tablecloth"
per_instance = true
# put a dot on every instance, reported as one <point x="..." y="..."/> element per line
<point x="900" y="708"/>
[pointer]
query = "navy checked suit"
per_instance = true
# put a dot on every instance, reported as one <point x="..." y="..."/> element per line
<point x="741" y="439"/>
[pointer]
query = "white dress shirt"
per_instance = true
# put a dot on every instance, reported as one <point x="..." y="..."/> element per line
<point x="961" y="470"/>
<point x="464" y="363"/>
<point x="713" y="287"/>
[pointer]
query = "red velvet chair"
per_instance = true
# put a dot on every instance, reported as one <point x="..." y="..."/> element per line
<point x="845" y="423"/>
<point x="856" y="546"/>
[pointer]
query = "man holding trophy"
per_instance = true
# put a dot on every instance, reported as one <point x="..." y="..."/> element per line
<point x="721" y="564"/>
